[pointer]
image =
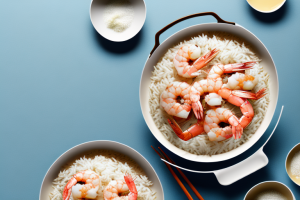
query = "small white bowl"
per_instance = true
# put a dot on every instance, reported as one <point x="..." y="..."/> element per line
<point x="288" y="160"/>
<point x="269" y="185"/>
<point x="97" y="17"/>
<point x="270" y="11"/>
<point x="78" y="150"/>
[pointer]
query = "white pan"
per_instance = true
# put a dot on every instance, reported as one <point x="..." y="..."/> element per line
<point x="160" y="49"/>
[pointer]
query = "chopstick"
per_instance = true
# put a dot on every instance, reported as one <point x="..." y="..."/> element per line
<point x="182" y="174"/>
<point x="175" y="176"/>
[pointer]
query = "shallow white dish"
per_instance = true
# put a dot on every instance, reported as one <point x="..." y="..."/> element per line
<point x="267" y="11"/>
<point x="55" y="168"/>
<point x="223" y="26"/>
<point x="97" y="17"/>
<point x="270" y="185"/>
<point x="288" y="161"/>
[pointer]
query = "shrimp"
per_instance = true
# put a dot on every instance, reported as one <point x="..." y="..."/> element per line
<point x="195" y="130"/>
<point x="176" y="99"/>
<point x="214" y="80"/>
<point x="214" y="131"/>
<point x="240" y="81"/>
<point x="234" y="97"/>
<point x="88" y="190"/>
<point x="185" y="56"/>
<point x="117" y="187"/>
<point x="214" y="83"/>
<point x="210" y="126"/>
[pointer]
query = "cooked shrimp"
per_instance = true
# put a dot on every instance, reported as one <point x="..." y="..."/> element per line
<point x="214" y="83"/>
<point x="193" y="131"/>
<point x="117" y="187"/>
<point x="185" y="56"/>
<point x="234" y="97"/>
<point x="214" y="80"/>
<point x="175" y="99"/>
<point x="240" y="81"/>
<point x="88" y="190"/>
<point x="214" y="131"/>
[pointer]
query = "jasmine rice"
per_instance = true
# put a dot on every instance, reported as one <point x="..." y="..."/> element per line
<point x="232" y="50"/>
<point x="109" y="165"/>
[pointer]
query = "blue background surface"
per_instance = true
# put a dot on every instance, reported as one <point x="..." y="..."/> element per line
<point x="62" y="84"/>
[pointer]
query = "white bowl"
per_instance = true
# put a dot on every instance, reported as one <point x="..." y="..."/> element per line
<point x="55" y="168"/>
<point x="269" y="185"/>
<point x="187" y="33"/>
<point x="288" y="160"/>
<point x="270" y="11"/>
<point x="97" y="17"/>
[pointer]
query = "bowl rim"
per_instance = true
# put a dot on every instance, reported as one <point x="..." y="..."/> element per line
<point x="270" y="182"/>
<point x="286" y="162"/>
<point x="96" y="141"/>
<point x="178" y="151"/>
<point x="267" y="11"/>
<point x="116" y="40"/>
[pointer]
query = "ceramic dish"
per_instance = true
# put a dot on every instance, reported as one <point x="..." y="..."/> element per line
<point x="55" y="168"/>
<point x="278" y="187"/>
<point x="288" y="161"/>
<point x="97" y="10"/>
<point x="160" y="49"/>
<point x="272" y="9"/>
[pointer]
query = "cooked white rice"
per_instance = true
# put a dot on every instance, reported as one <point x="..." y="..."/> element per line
<point x="233" y="50"/>
<point x="108" y="169"/>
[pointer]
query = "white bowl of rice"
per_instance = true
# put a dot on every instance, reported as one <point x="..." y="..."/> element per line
<point x="270" y="190"/>
<point x="118" y="20"/>
<point x="110" y="160"/>
<point x="236" y="44"/>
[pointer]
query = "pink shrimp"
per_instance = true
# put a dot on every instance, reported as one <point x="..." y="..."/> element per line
<point x="235" y="98"/>
<point x="214" y="131"/>
<point x="195" y="130"/>
<point x="175" y="99"/>
<point x="89" y="190"/>
<point x="185" y="56"/>
<point x="117" y="187"/>
<point x="214" y="83"/>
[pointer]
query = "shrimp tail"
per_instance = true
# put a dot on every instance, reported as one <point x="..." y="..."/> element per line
<point x="131" y="186"/>
<point x="198" y="109"/>
<point x="195" y="130"/>
<point x="238" y="66"/>
<point x="203" y="61"/>
<point x="250" y="95"/>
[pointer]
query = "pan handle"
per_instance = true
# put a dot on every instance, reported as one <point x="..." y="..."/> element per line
<point x="182" y="19"/>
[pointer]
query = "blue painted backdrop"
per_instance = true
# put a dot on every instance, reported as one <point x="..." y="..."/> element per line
<point x="62" y="84"/>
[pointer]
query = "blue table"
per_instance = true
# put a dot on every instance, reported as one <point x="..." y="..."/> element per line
<point x="62" y="84"/>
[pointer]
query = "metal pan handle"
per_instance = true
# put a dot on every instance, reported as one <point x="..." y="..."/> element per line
<point x="182" y="19"/>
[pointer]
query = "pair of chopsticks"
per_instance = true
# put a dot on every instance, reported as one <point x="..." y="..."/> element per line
<point x="163" y="155"/>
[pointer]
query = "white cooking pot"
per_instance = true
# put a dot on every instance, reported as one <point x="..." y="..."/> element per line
<point x="160" y="49"/>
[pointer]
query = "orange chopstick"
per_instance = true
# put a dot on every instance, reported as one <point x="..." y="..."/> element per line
<point x="175" y="176"/>
<point x="182" y="174"/>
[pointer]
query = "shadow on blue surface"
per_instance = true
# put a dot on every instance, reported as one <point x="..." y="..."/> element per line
<point x="118" y="47"/>
<point x="270" y="17"/>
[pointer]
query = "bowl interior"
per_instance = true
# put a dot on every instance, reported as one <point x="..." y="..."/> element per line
<point x="288" y="161"/>
<point x="269" y="186"/>
<point x="186" y="34"/>
<point x="97" y="12"/>
<point x="69" y="155"/>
